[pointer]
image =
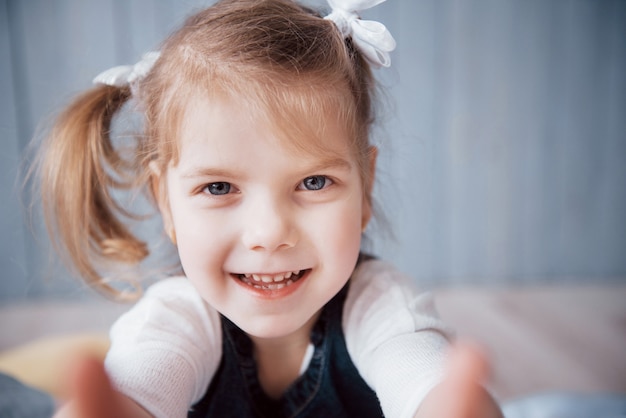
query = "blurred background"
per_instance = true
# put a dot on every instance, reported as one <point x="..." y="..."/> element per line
<point x="502" y="135"/>
<point x="502" y="175"/>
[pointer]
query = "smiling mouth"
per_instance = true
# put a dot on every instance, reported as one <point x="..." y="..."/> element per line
<point x="271" y="281"/>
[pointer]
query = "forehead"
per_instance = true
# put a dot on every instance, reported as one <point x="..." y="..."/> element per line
<point x="306" y="128"/>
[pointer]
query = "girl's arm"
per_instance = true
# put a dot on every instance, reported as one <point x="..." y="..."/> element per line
<point x="400" y="347"/>
<point x="93" y="396"/>
<point x="165" y="350"/>
<point x="460" y="394"/>
<point x="163" y="353"/>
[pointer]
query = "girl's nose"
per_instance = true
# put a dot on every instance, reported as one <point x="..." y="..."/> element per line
<point x="269" y="227"/>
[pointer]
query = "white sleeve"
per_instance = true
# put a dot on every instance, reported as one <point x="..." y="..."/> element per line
<point x="394" y="337"/>
<point x="166" y="349"/>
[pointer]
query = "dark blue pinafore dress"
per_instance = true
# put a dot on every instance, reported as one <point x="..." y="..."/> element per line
<point x="330" y="387"/>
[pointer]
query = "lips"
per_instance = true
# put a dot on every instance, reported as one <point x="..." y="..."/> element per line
<point x="271" y="281"/>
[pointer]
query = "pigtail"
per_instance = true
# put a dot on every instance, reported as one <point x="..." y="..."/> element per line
<point x="78" y="169"/>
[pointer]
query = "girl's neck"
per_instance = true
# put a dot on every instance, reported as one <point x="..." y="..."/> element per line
<point x="279" y="360"/>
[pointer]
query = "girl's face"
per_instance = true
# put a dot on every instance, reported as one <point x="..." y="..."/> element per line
<point x="266" y="233"/>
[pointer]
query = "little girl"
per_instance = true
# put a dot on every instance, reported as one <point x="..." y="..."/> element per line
<point x="256" y="149"/>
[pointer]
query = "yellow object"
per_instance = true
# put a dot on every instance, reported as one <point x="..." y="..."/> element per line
<point x="44" y="363"/>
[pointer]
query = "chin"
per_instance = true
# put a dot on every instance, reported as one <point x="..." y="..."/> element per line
<point x="275" y="326"/>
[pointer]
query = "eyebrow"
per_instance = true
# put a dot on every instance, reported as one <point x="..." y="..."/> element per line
<point x="206" y="172"/>
<point x="335" y="163"/>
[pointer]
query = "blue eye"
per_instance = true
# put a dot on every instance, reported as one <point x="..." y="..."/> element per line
<point x="315" y="182"/>
<point x="218" y="189"/>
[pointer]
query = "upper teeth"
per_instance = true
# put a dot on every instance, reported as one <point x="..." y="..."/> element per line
<point x="271" y="278"/>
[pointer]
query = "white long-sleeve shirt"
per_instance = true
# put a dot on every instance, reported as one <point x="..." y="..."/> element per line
<point x="167" y="348"/>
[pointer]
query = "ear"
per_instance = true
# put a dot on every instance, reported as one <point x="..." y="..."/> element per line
<point x="369" y="187"/>
<point x="159" y="191"/>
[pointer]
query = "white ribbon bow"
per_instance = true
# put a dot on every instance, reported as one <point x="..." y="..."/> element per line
<point x="370" y="37"/>
<point x="126" y="75"/>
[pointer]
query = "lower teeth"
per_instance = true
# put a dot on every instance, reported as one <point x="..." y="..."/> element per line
<point x="276" y="286"/>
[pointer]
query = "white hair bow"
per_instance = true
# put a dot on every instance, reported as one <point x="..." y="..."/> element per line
<point x="126" y="75"/>
<point x="370" y="37"/>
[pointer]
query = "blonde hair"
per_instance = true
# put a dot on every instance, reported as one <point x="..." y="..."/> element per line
<point x="280" y="59"/>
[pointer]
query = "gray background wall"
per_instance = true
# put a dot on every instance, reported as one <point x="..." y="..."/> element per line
<point x="503" y="144"/>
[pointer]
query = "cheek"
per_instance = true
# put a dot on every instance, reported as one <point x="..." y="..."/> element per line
<point x="201" y="239"/>
<point x="338" y="231"/>
<point x="348" y="226"/>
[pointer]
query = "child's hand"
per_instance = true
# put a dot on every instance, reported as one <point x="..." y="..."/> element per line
<point x="93" y="396"/>
<point x="460" y="394"/>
